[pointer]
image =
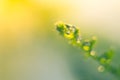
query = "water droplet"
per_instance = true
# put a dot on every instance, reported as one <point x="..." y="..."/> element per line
<point x="101" y="68"/>
<point x="92" y="53"/>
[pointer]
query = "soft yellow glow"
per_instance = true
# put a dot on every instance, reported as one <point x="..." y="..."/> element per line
<point x="94" y="38"/>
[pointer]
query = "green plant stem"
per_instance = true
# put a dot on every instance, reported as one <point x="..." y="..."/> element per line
<point x="73" y="36"/>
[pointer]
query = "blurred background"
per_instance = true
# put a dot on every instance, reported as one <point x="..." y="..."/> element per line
<point x="31" y="48"/>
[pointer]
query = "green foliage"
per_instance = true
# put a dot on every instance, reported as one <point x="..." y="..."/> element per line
<point x="73" y="35"/>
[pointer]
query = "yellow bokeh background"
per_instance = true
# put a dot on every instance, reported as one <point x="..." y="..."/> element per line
<point x="30" y="48"/>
